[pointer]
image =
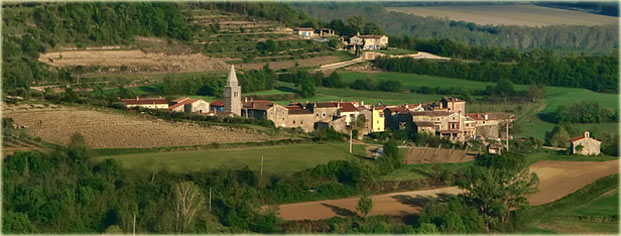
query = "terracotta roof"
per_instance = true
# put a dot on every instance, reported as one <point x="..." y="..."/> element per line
<point x="300" y="112"/>
<point x="369" y="36"/>
<point x="325" y="104"/>
<point x="423" y="123"/>
<point x="180" y="99"/>
<point x="144" y="101"/>
<point x="347" y="107"/>
<point x="183" y="102"/>
<point x="293" y="107"/>
<point x="430" y="113"/>
<point x="577" y="138"/>
<point x="217" y="103"/>
<point x="257" y="104"/>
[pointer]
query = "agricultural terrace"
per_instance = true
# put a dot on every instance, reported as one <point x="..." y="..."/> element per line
<point x="526" y="15"/>
<point x="105" y="128"/>
<point x="278" y="160"/>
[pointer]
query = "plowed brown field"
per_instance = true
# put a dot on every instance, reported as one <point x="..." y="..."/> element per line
<point x="108" y="129"/>
<point x="556" y="179"/>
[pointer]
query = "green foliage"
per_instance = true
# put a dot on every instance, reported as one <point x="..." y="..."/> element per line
<point x="363" y="84"/>
<point x="77" y="139"/>
<point x="389" y="85"/>
<point x="558" y="137"/>
<point x="333" y="81"/>
<point x="584" y="112"/>
<point x="365" y="205"/>
<point x="496" y="185"/>
<point x="327" y="134"/>
<point x="597" y="73"/>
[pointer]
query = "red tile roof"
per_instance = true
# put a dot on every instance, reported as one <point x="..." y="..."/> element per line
<point x="577" y="138"/>
<point x="396" y="109"/>
<point x="217" y="103"/>
<point x="325" y="104"/>
<point x="183" y="102"/>
<point x="180" y="99"/>
<point x="144" y="101"/>
<point x="347" y="107"/>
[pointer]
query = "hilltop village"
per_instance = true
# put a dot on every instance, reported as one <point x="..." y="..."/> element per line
<point x="446" y="118"/>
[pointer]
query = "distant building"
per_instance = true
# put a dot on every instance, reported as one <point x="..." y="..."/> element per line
<point x="306" y="33"/>
<point x="454" y="104"/>
<point x="264" y="109"/>
<point x="189" y="105"/>
<point x="232" y="94"/>
<point x="217" y="106"/>
<point x="150" y="103"/>
<point x="326" y="32"/>
<point x="585" y="145"/>
<point x="378" y="120"/>
<point x="369" y="42"/>
<point x="302" y="118"/>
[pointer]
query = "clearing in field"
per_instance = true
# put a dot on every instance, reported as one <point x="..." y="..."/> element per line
<point x="556" y="179"/>
<point x="279" y="160"/>
<point x="104" y="128"/>
<point x="425" y="155"/>
<point x="133" y="61"/>
<point x="527" y="15"/>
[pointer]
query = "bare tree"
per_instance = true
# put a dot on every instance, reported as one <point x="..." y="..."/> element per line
<point x="188" y="201"/>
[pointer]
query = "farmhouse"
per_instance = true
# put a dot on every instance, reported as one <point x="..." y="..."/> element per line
<point x="302" y="118"/>
<point x="151" y="103"/>
<point x="264" y="109"/>
<point x="189" y="105"/>
<point x="306" y="33"/>
<point x="585" y="145"/>
<point x="369" y="42"/>
<point x="217" y="106"/>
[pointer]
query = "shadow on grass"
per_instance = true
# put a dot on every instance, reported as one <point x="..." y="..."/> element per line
<point x="546" y="117"/>
<point x="420" y="201"/>
<point x="339" y="210"/>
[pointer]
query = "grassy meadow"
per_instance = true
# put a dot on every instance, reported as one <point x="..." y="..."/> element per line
<point x="278" y="160"/>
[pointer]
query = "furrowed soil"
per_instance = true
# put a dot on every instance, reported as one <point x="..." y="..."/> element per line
<point x="133" y="61"/>
<point x="556" y="179"/>
<point x="104" y="128"/>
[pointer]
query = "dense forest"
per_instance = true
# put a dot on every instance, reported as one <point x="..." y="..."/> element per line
<point x="588" y="39"/>
<point x="610" y="8"/>
<point x="597" y="73"/>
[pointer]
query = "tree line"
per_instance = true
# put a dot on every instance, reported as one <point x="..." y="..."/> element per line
<point x="597" y="73"/>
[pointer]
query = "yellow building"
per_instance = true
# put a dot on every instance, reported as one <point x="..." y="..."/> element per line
<point x="377" y="122"/>
<point x="150" y="103"/>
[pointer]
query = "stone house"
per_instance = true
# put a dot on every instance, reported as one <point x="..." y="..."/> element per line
<point x="263" y="109"/>
<point x="306" y="33"/>
<point x="585" y="145"/>
<point x="302" y="118"/>
<point x="391" y="117"/>
<point x="369" y="42"/>
<point x="323" y="110"/>
<point x="150" y="103"/>
<point x="453" y="104"/>
<point x="189" y="105"/>
<point x="348" y="110"/>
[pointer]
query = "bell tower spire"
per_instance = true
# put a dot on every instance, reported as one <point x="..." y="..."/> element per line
<point x="232" y="94"/>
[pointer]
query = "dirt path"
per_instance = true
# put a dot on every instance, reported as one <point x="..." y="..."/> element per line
<point x="556" y="179"/>
<point x="368" y="56"/>
<point x="388" y="204"/>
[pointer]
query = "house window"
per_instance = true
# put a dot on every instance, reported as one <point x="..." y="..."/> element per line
<point x="324" y="114"/>
<point x="301" y="122"/>
<point x="294" y="122"/>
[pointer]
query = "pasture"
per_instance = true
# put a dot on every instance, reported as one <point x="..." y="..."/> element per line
<point x="278" y="160"/>
<point x="522" y="14"/>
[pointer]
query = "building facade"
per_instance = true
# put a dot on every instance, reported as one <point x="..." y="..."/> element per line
<point x="232" y="94"/>
<point x="585" y="145"/>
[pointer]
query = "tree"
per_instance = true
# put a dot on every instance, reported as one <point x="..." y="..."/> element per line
<point x="496" y="185"/>
<point x="77" y="139"/>
<point x="558" y="137"/>
<point x="188" y="201"/>
<point x="356" y="24"/>
<point x="579" y="148"/>
<point x="306" y="84"/>
<point x="365" y="204"/>
<point x="372" y="28"/>
<point x="333" y="81"/>
<point x="536" y="91"/>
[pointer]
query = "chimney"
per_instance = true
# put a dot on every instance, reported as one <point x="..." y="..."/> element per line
<point x="361" y="103"/>
<point x="254" y="105"/>
<point x="245" y="99"/>
<point x="358" y="34"/>
<point x="341" y="100"/>
<point x="485" y="116"/>
<point x="251" y="99"/>
<point x="160" y="97"/>
<point x="137" y="98"/>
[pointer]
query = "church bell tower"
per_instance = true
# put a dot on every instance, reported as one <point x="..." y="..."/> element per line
<point x="232" y="94"/>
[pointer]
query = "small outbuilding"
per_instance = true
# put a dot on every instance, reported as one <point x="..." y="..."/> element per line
<point x="585" y="145"/>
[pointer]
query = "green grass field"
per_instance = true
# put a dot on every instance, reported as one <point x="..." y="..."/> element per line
<point x="279" y="160"/>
